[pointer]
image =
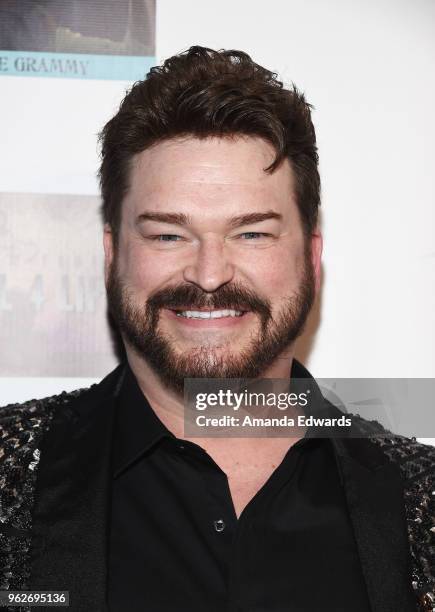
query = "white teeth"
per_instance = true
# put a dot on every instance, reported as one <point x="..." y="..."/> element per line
<point x="209" y="314"/>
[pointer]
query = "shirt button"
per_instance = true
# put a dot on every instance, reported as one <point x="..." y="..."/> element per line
<point x="219" y="525"/>
<point x="181" y="447"/>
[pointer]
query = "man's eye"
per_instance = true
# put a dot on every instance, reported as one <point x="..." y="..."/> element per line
<point x="165" y="238"/>
<point x="254" y="235"/>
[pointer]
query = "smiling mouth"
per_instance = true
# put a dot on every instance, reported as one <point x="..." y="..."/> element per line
<point x="207" y="313"/>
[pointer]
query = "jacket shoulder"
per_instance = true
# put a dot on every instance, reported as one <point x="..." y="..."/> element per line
<point x="23" y="420"/>
<point x="416" y="462"/>
<point x="33" y="415"/>
<point x="40" y="405"/>
<point x="22" y="427"/>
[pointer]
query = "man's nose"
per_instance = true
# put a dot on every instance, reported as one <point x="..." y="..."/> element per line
<point x="210" y="267"/>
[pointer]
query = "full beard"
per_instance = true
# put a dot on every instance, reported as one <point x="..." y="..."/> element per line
<point x="139" y="326"/>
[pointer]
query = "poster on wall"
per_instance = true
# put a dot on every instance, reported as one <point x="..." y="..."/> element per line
<point x="52" y="295"/>
<point x="85" y="39"/>
<point x="53" y="313"/>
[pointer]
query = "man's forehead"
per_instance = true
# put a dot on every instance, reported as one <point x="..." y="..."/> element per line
<point x="215" y="164"/>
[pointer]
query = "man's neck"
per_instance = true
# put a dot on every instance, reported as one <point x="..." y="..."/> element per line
<point x="169" y="405"/>
<point x="247" y="462"/>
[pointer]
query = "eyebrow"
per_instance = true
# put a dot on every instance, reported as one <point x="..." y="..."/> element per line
<point x="234" y="222"/>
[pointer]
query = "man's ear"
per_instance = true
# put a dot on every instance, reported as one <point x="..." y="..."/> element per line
<point x="108" y="250"/>
<point x="316" y="256"/>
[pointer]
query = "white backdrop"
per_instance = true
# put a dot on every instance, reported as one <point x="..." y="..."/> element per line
<point x="368" y="68"/>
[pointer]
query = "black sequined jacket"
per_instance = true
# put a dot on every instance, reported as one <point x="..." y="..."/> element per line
<point x="55" y="478"/>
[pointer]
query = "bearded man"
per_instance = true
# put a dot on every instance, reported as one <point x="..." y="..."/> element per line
<point x="210" y="189"/>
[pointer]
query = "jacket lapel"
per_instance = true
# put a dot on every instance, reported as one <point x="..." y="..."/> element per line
<point x="374" y="492"/>
<point x="72" y="499"/>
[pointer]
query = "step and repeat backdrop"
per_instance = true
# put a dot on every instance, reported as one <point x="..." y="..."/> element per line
<point x="367" y="68"/>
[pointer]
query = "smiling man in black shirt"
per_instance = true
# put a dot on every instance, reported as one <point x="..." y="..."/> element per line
<point x="210" y="191"/>
<point x="176" y="541"/>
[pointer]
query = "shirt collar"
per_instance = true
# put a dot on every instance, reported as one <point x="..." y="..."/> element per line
<point x="138" y="429"/>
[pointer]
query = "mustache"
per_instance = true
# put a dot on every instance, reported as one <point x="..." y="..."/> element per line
<point x="231" y="297"/>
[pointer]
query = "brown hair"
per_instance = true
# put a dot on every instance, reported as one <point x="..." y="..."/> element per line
<point x="202" y="92"/>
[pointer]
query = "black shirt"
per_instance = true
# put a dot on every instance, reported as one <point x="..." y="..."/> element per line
<point x="176" y="544"/>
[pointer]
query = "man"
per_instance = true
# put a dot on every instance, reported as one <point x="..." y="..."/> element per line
<point x="212" y="249"/>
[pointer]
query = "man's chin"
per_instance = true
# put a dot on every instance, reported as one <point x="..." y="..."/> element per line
<point x="199" y="362"/>
<point x="202" y="358"/>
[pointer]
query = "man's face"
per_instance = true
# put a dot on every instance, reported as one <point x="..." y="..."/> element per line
<point x="212" y="276"/>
